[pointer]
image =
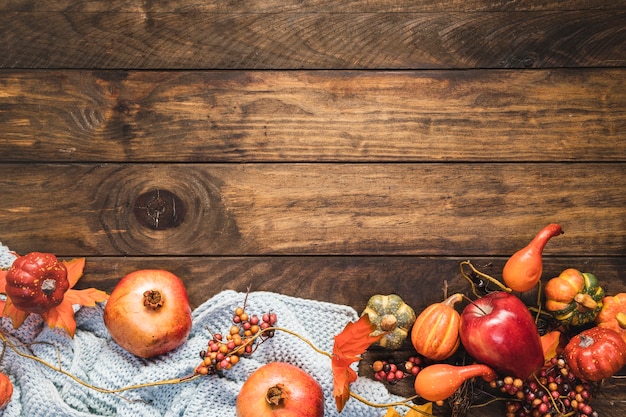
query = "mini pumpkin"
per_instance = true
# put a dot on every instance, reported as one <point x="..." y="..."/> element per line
<point x="6" y="390"/>
<point x="391" y="316"/>
<point x="595" y="354"/>
<point x="574" y="297"/>
<point x="613" y="314"/>
<point x="435" y="333"/>
<point x="37" y="282"/>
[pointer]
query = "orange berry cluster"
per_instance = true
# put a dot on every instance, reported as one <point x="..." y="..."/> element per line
<point x="241" y="340"/>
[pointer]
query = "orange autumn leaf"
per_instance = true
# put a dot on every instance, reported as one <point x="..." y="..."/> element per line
<point x="3" y="281"/>
<point x="353" y="341"/>
<point x="62" y="317"/>
<point x="423" y="410"/>
<point x="16" y="315"/>
<point x="391" y="412"/>
<point x="87" y="297"/>
<point x="550" y="343"/>
<point x="75" y="269"/>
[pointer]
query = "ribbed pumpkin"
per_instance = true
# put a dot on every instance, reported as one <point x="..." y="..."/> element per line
<point x="391" y="316"/>
<point x="613" y="314"/>
<point x="435" y="333"/>
<point x="6" y="390"/>
<point x="574" y="297"/>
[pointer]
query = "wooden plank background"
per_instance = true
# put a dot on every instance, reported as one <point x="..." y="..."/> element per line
<point x="315" y="148"/>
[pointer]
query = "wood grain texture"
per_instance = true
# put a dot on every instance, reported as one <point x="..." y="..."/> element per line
<point x="274" y="116"/>
<point x="286" y="6"/>
<point x="346" y="279"/>
<point x="312" y="40"/>
<point x="316" y="209"/>
<point x="319" y="149"/>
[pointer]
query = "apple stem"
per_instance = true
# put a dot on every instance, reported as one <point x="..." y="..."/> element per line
<point x="474" y="304"/>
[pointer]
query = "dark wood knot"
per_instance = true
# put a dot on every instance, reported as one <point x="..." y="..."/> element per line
<point x="159" y="209"/>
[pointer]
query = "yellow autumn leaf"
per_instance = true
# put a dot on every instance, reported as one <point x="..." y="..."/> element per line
<point x="391" y="412"/>
<point x="425" y="409"/>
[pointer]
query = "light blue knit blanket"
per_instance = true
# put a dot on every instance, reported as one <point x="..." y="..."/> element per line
<point x="93" y="357"/>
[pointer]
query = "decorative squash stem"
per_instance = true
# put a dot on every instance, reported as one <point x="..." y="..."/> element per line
<point x="585" y="301"/>
<point x="621" y="320"/>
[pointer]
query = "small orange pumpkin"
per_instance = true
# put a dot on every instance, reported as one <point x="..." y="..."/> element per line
<point x="613" y="314"/>
<point x="6" y="390"/>
<point x="435" y="333"/>
<point x="574" y="297"/>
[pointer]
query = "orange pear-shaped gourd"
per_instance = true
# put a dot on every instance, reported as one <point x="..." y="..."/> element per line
<point x="523" y="270"/>
<point x="439" y="381"/>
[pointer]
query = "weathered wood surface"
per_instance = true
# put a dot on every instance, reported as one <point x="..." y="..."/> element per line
<point x="406" y="137"/>
<point x="315" y="209"/>
<point x="267" y="116"/>
<point x="317" y="38"/>
<point x="346" y="279"/>
<point x="284" y="6"/>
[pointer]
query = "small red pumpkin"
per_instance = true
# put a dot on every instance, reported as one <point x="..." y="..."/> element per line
<point x="595" y="354"/>
<point x="6" y="390"/>
<point x="435" y="333"/>
<point x="37" y="282"/>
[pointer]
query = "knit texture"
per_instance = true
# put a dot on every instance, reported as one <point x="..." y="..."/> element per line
<point x="96" y="359"/>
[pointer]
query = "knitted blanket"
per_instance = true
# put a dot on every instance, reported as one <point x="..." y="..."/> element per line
<point x="93" y="357"/>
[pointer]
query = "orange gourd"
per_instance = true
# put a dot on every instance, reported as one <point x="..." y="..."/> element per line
<point x="574" y="297"/>
<point x="439" y="381"/>
<point x="435" y="332"/>
<point x="613" y="314"/>
<point x="523" y="270"/>
<point x="6" y="390"/>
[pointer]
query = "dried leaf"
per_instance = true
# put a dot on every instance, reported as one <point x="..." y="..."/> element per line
<point x="425" y="409"/>
<point x="550" y="343"/>
<point x="87" y="297"/>
<point x="16" y="315"/>
<point x="75" y="269"/>
<point x="348" y="347"/>
<point x="62" y="317"/>
<point x="391" y="412"/>
<point x="3" y="281"/>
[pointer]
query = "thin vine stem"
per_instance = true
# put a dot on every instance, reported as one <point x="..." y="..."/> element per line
<point x="404" y="403"/>
<point x="482" y="275"/>
<point x="15" y="348"/>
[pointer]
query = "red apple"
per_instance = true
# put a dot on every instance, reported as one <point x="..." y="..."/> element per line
<point x="499" y="331"/>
